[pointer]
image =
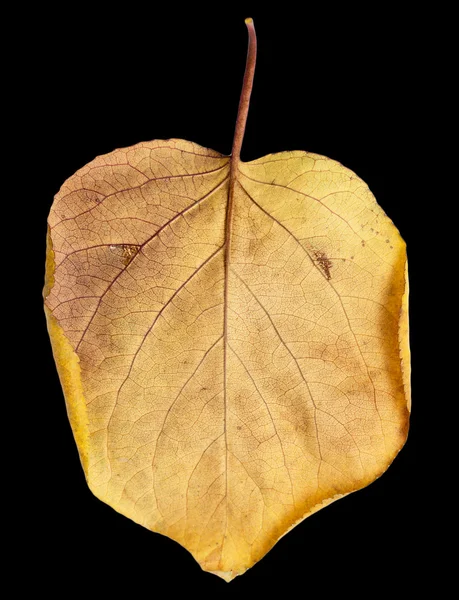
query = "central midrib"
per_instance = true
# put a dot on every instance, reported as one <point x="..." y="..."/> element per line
<point x="226" y="261"/>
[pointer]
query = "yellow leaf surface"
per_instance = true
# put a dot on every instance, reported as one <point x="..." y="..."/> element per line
<point x="231" y="338"/>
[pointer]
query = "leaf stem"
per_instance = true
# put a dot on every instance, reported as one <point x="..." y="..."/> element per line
<point x="245" y="94"/>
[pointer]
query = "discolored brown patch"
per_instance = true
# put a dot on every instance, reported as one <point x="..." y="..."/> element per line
<point x="125" y="251"/>
<point x="324" y="263"/>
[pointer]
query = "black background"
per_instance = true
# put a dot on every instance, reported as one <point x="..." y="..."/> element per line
<point x="339" y="84"/>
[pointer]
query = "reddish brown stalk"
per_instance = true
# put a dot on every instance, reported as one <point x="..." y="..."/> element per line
<point x="245" y="95"/>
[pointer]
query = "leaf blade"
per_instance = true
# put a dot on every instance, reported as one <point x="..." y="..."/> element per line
<point x="188" y="481"/>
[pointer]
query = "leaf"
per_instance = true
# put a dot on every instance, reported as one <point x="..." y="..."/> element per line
<point x="231" y="338"/>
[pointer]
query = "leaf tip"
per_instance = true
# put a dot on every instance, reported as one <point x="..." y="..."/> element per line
<point x="228" y="576"/>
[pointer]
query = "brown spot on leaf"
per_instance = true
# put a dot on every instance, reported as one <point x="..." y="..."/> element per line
<point x="91" y="196"/>
<point x="324" y="263"/>
<point x="125" y="251"/>
<point x="363" y="243"/>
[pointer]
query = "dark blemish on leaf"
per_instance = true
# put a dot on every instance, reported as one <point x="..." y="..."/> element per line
<point x="387" y="241"/>
<point x="363" y="243"/>
<point x="239" y="427"/>
<point x="92" y="197"/>
<point x="125" y="251"/>
<point x="324" y="263"/>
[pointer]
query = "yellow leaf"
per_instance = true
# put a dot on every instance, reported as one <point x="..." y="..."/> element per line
<point x="231" y="338"/>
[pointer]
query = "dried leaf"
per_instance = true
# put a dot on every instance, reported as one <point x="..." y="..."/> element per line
<point x="231" y="338"/>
